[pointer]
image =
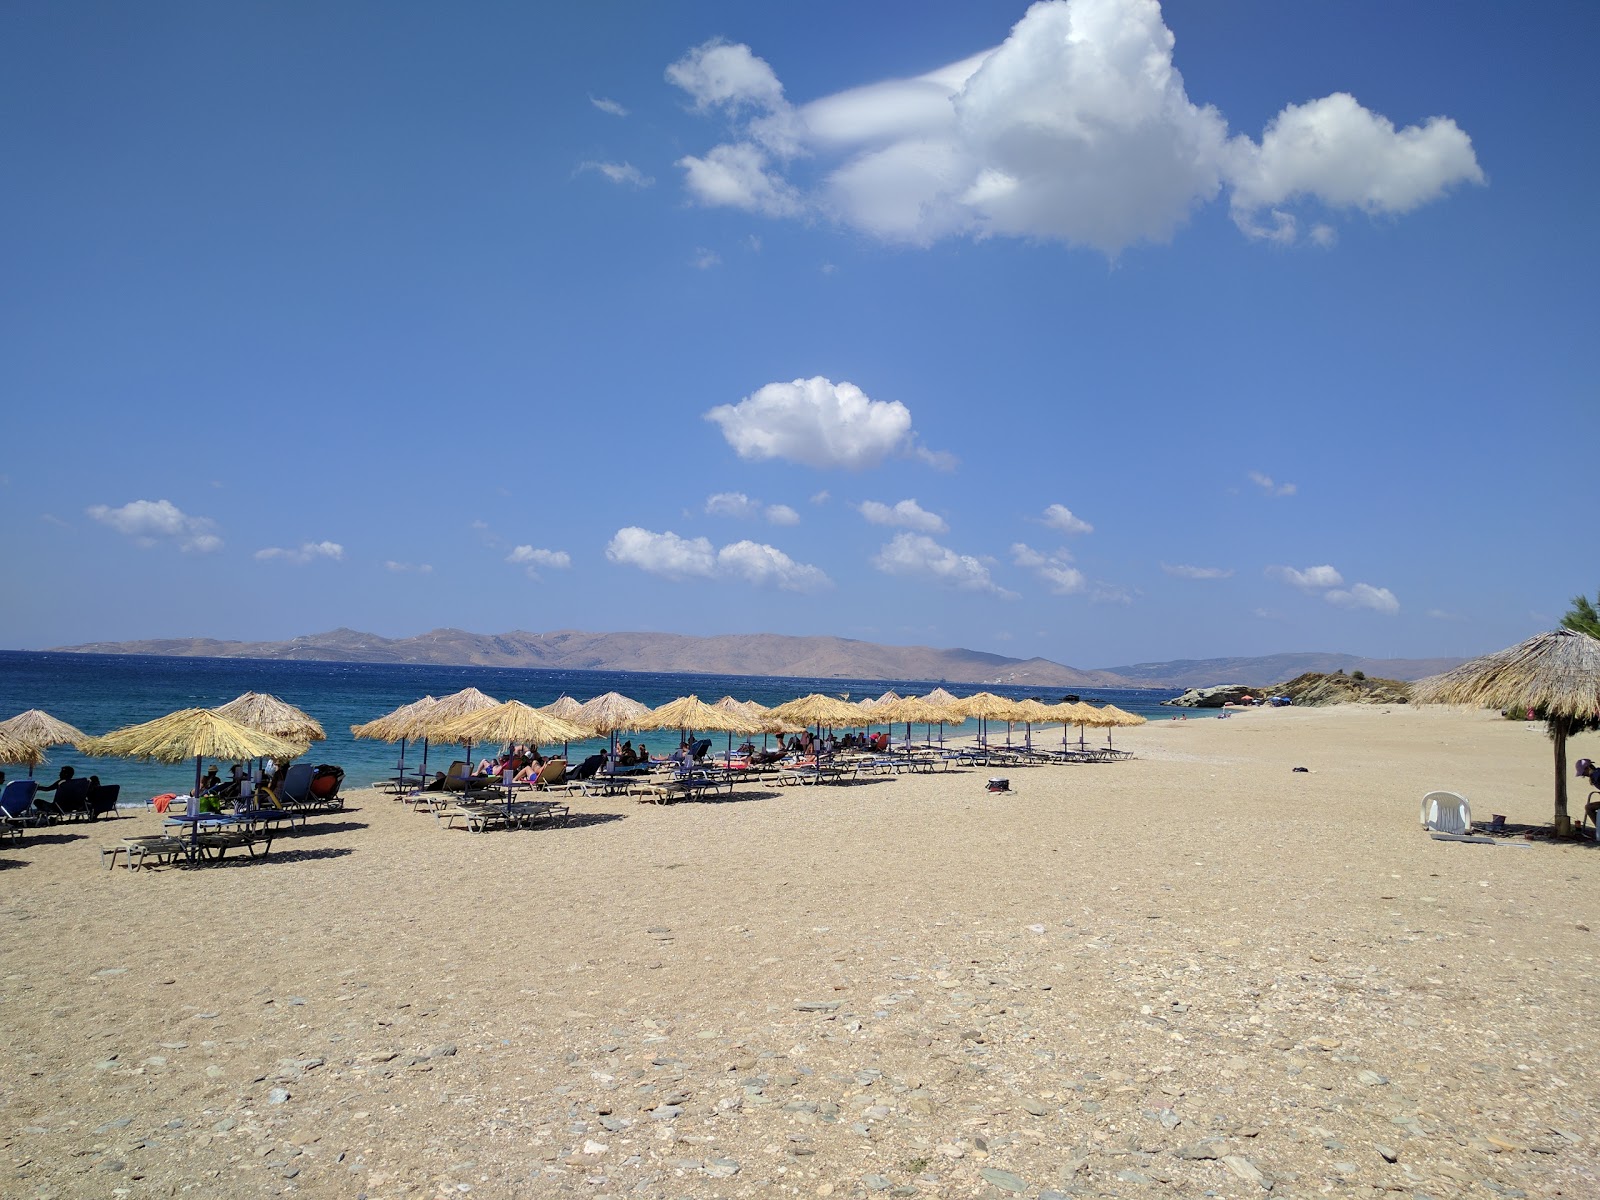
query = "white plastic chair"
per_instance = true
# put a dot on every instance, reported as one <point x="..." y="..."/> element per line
<point x="1446" y="812"/>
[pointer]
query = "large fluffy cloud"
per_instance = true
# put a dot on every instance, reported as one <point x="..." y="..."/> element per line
<point x="150" y="521"/>
<point x="920" y="557"/>
<point x="818" y="423"/>
<point x="1078" y="128"/>
<point x="674" y="557"/>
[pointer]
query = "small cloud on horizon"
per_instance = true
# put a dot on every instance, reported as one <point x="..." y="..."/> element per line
<point x="1181" y="571"/>
<point x="1270" y="486"/>
<point x="302" y="554"/>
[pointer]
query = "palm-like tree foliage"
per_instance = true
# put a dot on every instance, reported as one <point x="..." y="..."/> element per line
<point x="1583" y="617"/>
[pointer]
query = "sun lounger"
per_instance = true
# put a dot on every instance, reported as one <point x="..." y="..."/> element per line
<point x="67" y="803"/>
<point x="16" y="804"/>
<point x="141" y="850"/>
<point x="102" y="800"/>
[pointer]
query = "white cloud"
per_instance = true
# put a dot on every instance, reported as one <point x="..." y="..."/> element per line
<point x="1270" y="486"/>
<point x="403" y="568"/>
<point x="742" y="507"/>
<point x="1364" y="595"/>
<point x="1055" y="569"/>
<point x="765" y="565"/>
<point x="1186" y="572"/>
<point x="607" y="105"/>
<point x="1345" y="156"/>
<point x="821" y="497"/>
<point x="718" y="74"/>
<point x="1440" y="614"/>
<point x="150" y="521"/>
<point x="738" y="176"/>
<point x="817" y="423"/>
<point x="731" y="504"/>
<point x="1078" y="129"/>
<point x="302" y="554"/>
<point x="704" y="259"/>
<point x="906" y="513"/>
<point x="675" y="557"/>
<point x="530" y="556"/>
<point x="1059" y="517"/>
<point x="919" y="556"/>
<point x="662" y="553"/>
<point x="620" y="173"/>
<point x="1310" y="579"/>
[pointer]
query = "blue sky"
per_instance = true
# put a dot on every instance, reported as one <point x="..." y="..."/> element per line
<point x="1091" y="330"/>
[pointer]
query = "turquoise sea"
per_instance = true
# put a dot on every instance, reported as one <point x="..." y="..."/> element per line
<point x="98" y="693"/>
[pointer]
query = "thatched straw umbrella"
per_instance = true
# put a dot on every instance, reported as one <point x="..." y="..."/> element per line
<point x="908" y="709"/>
<point x="565" y="707"/>
<point x="1078" y="713"/>
<point x="819" y="710"/>
<point x="265" y="713"/>
<point x="1033" y="712"/>
<point x="512" y="721"/>
<point x="688" y="713"/>
<point x="948" y="702"/>
<point x="447" y="709"/>
<point x="609" y="713"/>
<point x="1556" y="674"/>
<point x="25" y="737"/>
<point x="1116" y="718"/>
<point x="199" y="733"/>
<point x="401" y="725"/>
<point x="985" y="706"/>
<point x="13" y="751"/>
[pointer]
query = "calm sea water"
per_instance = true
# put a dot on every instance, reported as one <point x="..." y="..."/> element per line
<point x="98" y="693"/>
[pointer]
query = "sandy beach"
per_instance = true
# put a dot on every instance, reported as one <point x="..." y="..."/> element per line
<point x="1197" y="972"/>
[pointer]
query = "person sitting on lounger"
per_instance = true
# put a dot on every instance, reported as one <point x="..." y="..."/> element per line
<point x="65" y="777"/>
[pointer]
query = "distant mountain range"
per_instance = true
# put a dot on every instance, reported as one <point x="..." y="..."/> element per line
<point x="762" y="654"/>
<point x="1275" y="668"/>
<point x="570" y="650"/>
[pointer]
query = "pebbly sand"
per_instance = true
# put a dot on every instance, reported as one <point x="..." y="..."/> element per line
<point x="1194" y="973"/>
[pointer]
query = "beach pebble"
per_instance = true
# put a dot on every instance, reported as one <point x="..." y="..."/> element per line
<point x="278" y="1095"/>
<point x="1006" y="1181"/>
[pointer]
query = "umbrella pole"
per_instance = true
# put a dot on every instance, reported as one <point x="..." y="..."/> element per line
<point x="401" y="771"/>
<point x="424" y="772"/>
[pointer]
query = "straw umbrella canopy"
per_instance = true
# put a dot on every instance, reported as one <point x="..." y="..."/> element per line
<point x="1556" y="674"/>
<point x="985" y="706"/>
<point x="198" y="733"/>
<point x="512" y="721"/>
<point x="1076" y="712"/>
<point x="691" y="712"/>
<point x="25" y="737"/>
<point x="907" y="709"/>
<point x="13" y="751"/>
<point x="268" y="714"/>
<point x="565" y="707"/>
<point x="434" y="722"/>
<point x="819" y="710"/>
<point x="401" y="725"/>
<point x="1116" y="718"/>
<point x="1032" y="712"/>
<point x="948" y="702"/>
<point x="609" y="712"/>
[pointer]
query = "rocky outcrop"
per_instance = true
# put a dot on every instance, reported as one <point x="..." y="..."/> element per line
<point x="1313" y="689"/>
<point x="1215" y="697"/>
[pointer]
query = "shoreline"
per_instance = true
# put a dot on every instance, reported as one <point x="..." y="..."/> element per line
<point x="1162" y="976"/>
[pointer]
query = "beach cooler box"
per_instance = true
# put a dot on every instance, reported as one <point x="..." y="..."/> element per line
<point x="999" y="785"/>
